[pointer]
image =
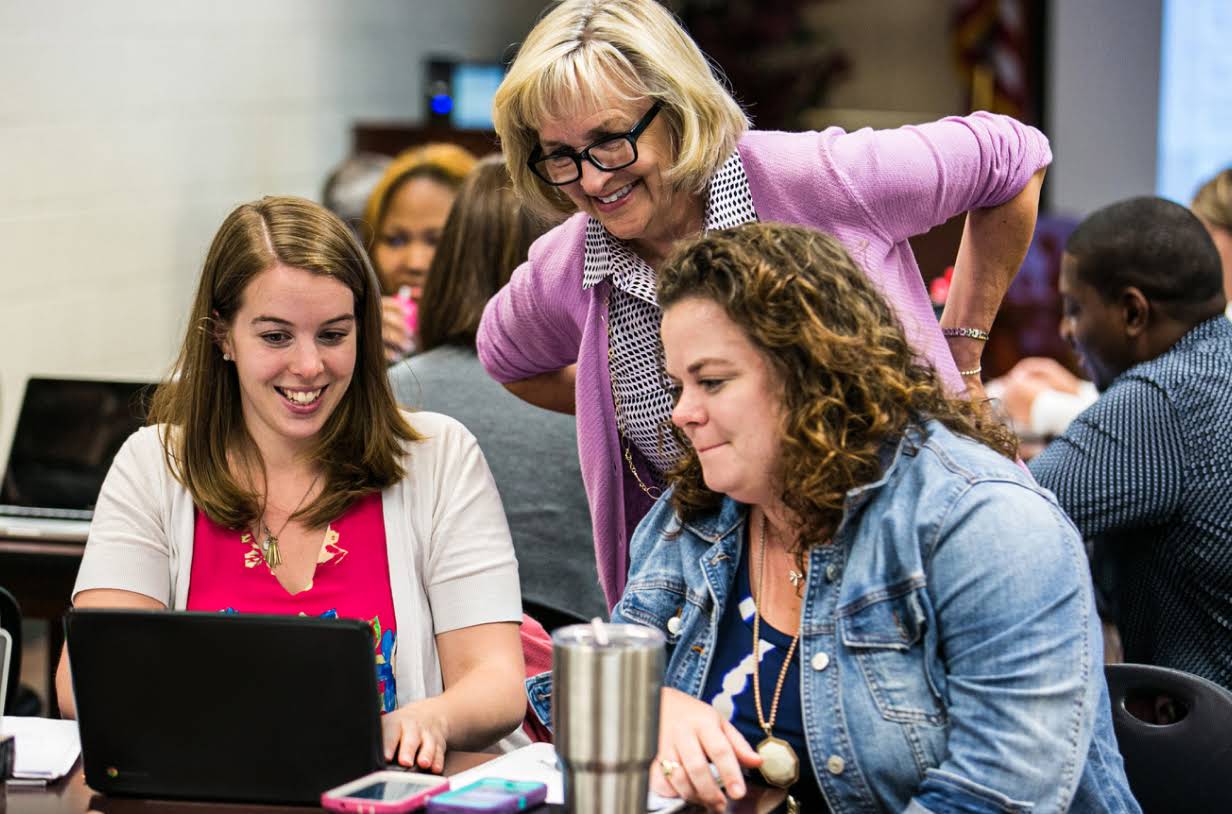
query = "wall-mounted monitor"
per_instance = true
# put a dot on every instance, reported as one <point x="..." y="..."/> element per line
<point x="459" y="92"/>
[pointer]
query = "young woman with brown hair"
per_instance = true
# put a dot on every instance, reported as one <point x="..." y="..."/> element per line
<point x="278" y="476"/>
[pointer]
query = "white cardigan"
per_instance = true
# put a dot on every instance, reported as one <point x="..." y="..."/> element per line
<point x="451" y="560"/>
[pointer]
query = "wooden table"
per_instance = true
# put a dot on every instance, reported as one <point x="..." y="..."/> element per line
<point x="72" y="796"/>
<point x="41" y="575"/>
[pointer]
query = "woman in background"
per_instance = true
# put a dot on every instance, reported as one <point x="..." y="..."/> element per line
<point x="1213" y="206"/>
<point x="532" y="452"/>
<point x="611" y="114"/>
<point x="851" y="571"/>
<point x="405" y="213"/>
<point x="278" y="476"/>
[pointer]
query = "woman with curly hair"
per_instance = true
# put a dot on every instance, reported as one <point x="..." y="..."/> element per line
<point x="865" y="599"/>
<point x="612" y="120"/>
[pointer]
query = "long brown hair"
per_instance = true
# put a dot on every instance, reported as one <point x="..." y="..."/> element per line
<point x="486" y="237"/>
<point x="359" y="449"/>
<point x="850" y="380"/>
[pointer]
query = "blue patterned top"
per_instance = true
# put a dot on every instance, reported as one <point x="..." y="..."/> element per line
<point x="1146" y="474"/>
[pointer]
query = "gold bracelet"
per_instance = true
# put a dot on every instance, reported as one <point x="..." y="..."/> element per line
<point x="969" y="333"/>
<point x="975" y="371"/>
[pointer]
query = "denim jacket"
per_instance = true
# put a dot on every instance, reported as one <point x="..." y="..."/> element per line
<point x="949" y="648"/>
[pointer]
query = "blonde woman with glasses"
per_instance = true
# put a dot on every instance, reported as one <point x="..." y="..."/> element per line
<point x="611" y="118"/>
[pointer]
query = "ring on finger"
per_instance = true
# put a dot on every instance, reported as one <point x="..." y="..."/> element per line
<point x="667" y="767"/>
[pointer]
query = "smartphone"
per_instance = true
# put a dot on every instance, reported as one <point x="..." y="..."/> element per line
<point x="384" y="793"/>
<point x="490" y="796"/>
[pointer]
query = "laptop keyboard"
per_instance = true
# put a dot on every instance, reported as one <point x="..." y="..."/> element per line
<point x="52" y="514"/>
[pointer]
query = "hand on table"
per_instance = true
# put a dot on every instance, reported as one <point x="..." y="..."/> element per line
<point x="416" y="734"/>
<point x="692" y="736"/>
<point x="398" y="341"/>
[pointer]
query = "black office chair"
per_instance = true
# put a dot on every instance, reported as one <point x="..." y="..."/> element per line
<point x="19" y="700"/>
<point x="549" y="616"/>
<point x="1174" y="730"/>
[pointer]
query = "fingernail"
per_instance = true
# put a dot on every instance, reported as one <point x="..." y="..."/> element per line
<point x="738" y="789"/>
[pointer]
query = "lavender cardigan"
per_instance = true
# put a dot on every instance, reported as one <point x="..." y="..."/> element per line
<point x="870" y="189"/>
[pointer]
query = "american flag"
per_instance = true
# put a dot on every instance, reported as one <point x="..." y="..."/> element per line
<point x="992" y="52"/>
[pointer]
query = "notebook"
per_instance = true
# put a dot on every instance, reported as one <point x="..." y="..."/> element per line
<point x="214" y="706"/>
<point x="68" y="430"/>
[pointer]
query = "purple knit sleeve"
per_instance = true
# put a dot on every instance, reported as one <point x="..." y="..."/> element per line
<point x="531" y="325"/>
<point x="913" y="178"/>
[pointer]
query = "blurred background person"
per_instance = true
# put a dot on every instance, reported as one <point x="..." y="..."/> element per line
<point x="349" y="185"/>
<point x="1213" y="206"/>
<point x="1041" y="396"/>
<point x="404" y="218"/>
<point x="532" y="452"/>
<point x="612" y="115"/>
<point x="1146" y="471"/>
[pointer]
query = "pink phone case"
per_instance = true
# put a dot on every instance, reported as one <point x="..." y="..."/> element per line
<point x="360" y="805"/>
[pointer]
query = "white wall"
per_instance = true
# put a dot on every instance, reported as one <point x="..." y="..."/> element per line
<point x="128" y="129"/>
<point x="1103" y="101"/>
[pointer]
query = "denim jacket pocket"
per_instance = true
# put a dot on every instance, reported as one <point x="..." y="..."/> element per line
<point x="654" y="603"/>
<point x="886" y="640"/>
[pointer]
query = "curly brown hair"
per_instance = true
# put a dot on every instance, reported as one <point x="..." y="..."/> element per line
<point x="850" y="379"/>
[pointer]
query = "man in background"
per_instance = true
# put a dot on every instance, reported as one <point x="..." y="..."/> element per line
<point x="1146" y="471"/>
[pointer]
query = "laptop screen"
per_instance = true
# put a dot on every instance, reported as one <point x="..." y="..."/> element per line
<point x="67" y="432"/>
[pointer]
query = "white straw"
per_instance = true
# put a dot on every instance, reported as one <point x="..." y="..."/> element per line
<point x="596" y="625"/>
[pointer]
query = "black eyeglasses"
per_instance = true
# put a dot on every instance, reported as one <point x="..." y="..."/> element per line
<point x="609" y="153"/>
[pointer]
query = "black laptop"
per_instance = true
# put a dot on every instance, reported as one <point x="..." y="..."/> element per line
<point x="68" y="430"/>
<point x="214" y="706"/>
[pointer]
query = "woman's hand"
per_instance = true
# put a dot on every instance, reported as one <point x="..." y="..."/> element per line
<point x="692" y="736"/>
<point x="398" y="341"/>
<point x="417" y="734"/>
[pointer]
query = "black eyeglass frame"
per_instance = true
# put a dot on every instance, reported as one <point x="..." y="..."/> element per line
<point x="537" y="157"/>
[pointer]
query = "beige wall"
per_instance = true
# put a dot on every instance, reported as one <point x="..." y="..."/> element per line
<point x="899" y="53"/>
<point x="128" y="129"/>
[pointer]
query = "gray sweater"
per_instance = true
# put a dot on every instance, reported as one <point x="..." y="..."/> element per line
<point x="533" y="457"/>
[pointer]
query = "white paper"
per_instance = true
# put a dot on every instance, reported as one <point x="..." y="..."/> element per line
<point x="537" y="763"/>
<point x="46" y="748"/>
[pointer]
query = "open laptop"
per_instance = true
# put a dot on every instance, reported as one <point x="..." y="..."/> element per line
<point x="216" y="706"/>
<point x="68" y="430"/>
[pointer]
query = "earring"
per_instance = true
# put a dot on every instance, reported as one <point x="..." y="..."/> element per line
<point x="226" y="357"/>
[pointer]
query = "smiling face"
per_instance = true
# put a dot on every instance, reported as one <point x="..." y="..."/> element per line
<point x="409" y="233"/>
<point x="728" y="403"/>
<point x="1093" y="327"/>
<point x="293" y="342"/>
<point x="633" y="203"/>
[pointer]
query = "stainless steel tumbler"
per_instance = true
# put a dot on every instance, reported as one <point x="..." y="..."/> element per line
<point x="605" y="714"/>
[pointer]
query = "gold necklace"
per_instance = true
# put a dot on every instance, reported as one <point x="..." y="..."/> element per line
<point x="780" y="765"/>
<point x="653" y="492"/>
<point x="269" y="543"/>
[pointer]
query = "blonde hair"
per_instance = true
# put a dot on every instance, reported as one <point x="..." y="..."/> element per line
<point x="586" y="51"/>
<point x="1213" y="203"/>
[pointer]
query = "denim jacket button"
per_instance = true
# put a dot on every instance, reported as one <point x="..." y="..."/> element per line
<point x="673" y="625"/>
<point x="832" y="572"/>
<point x="835" y="764"/>
<point x="820" y="661"/>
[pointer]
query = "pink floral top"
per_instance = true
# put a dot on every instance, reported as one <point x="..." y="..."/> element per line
<point x="351" y="580"/>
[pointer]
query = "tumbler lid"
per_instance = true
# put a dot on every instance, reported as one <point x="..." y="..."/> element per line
<point x="607" y="636"/>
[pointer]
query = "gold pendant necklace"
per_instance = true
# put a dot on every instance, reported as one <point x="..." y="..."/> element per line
<point x="780" y="765"/>
<point x="269" y="542"/>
